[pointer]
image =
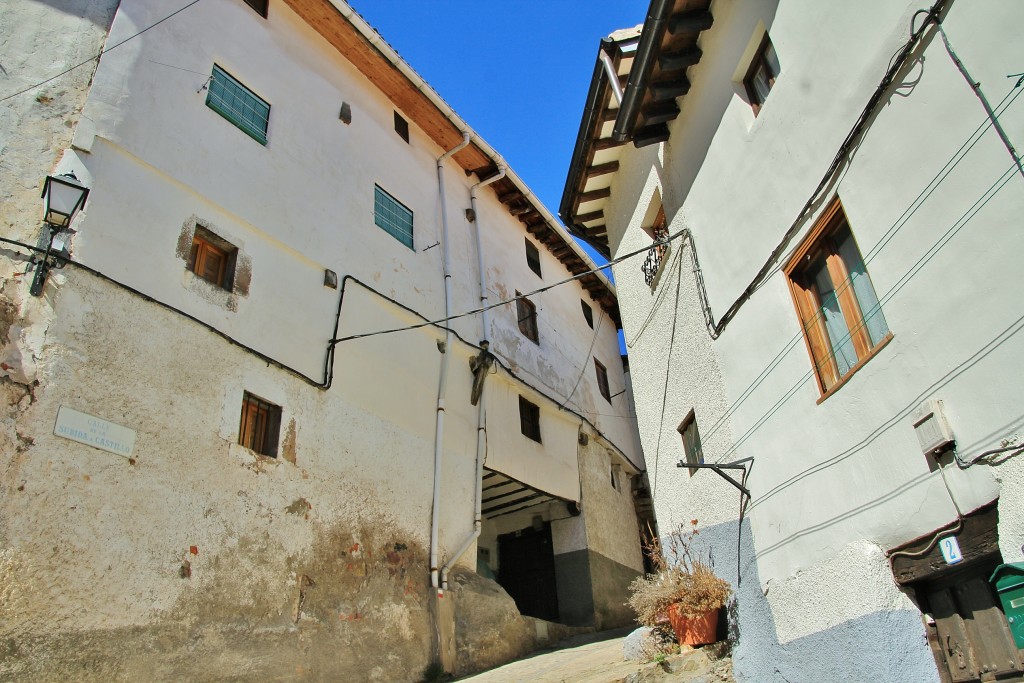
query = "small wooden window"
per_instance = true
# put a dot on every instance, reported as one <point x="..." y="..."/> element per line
<point x="762" y="74"/>
<point x="527" y="314"/>
<point x="212" y="258"/>
<point x="260" y="426"/>
<point x="588" y="313"/>
<point x="693" y="451"/>
<point x="839" y="311"/>
<point x="259" y="5"/>
<point x="533" y="257"/>
<point x="401" y="127"/>
<point x="529" y="419"/>
<point x="602" y="380"/>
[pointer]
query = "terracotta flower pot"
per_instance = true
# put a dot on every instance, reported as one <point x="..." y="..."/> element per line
<point x="694" y="630"/>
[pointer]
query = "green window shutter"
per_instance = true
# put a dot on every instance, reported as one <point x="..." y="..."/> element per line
<point x="239" y="105"/>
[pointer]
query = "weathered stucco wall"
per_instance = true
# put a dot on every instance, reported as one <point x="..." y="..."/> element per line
<point x="834" y="482"/>
<point x="38" y="40"/>
<point x="198" y="559"/>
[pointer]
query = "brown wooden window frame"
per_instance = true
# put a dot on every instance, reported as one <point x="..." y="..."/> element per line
<point x="259" y="427"/>
<point x="823" y="243"/>
<point x="761" y="61"/>
<point x="529" y="419"/>
<point x="260" y="6"/>
<point x="526" y="313"/>
<point x="533" y="256"/>
<point x="212" y="258"/>
<point x="694" y="453"/>
<point x="602" y="380"/>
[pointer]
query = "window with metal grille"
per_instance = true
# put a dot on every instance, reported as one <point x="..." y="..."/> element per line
<point x="533" y="257"/>
<point x="212" y="258"/>
<point x="588" y="313"/>
<point x="392" y="216"/>
<point x="239" y="105"/>
<point x="526" y="312"/>
<point x="762" y="74"/>
<point x="693" y="451"/>
<point x="839" y="311"/>
<point x="259" y="5"/>
<point x="602" y="380"/>
<point x="529" y="419"/>
<point x="260" y="426"/>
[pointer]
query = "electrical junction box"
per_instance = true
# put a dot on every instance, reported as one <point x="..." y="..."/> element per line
<point x="931" y="427"/>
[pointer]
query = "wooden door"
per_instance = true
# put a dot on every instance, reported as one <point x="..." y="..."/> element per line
<point x="526" y="569"/>
<point x="971" y="639"/>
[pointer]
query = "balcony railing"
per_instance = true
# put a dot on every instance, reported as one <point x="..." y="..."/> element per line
<point x="655" y="258"/>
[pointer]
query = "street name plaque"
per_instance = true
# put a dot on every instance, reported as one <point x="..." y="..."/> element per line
<point x="94" y="431"/>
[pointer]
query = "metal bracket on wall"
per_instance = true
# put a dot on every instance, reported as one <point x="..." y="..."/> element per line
<point x="719" y="469"/>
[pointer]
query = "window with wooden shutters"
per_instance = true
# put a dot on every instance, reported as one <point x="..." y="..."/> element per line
<point x="529" y="419"/>
<point x="212" y="258"/>
<point x="260" y="425"/>
<point x="526" y="312"/>
<point x="602" y="380"/>
<point x="840" y="313"/>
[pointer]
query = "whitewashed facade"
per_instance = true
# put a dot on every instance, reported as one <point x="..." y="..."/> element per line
<point x="198" y="557"/>
<point x="838" y="479"/>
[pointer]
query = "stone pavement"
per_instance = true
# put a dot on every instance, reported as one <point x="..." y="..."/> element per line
<point x="597" y="658"/>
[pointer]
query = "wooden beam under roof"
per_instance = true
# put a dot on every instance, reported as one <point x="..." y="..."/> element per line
<point x="592" y="216"/>
<point x="510" y="196"/>
<point x="671" y="89"/>
<point x="651" y="135"/>
<point x="605" y="143"/>
<point x="593" y="195"/>
<point x="602" y="169"/>
<point x="660" y="112"/>
<point x="673" y="61"/>
<point x="690" y="22"/>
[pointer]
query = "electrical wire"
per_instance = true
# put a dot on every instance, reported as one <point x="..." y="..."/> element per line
<point x="526" y="295"/>
<point x="583" y="370"/>
<point x="958" y="156"/>
<point x="99" y="54"/>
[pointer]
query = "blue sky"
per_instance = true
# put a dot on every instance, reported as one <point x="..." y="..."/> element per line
<point x="517" y="72"/>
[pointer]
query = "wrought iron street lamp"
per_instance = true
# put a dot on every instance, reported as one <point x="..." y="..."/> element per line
<point x="63" y="197"/>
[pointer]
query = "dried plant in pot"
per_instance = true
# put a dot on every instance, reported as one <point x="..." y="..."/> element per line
<point x="683" y="591"/>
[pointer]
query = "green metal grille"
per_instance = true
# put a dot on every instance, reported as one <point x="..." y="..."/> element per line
<point x="391" y="216"/>
<point x="238" y="104"/>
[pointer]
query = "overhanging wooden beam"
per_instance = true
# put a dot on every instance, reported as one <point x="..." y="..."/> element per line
<point x="592" y="216"/>
<point x="661" y="112"/>
<point x="673" y="61"/>
<point x="603" y="169"/>
<point x="669" y="90"/>
<point x="650" y="135"/>
<point x="690" y="22"/>
<point x="605" y="143"/>
<point x="595" y="194"/>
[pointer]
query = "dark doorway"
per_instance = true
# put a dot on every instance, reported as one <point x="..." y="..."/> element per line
<point x="526" y="569"/>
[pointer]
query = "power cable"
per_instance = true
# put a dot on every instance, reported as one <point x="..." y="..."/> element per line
<point x="883" y="241"/>
<point x="100" y="53"/>
<point x="583" y="370"/>
<point x="439" y="322"/>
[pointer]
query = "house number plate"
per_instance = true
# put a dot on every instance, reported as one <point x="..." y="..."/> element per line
<point x="950" y="550"/>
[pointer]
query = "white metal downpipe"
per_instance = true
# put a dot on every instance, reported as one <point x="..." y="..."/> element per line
<point x="442" y="386"/>
<point x="613" y="76"/>
<point x="481" y="414"/>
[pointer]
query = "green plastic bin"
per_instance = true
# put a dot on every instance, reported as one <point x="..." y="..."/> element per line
<point x="1008" y="580"/>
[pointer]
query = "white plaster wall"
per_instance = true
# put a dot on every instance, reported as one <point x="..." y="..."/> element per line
<point x="827" y="477"/>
